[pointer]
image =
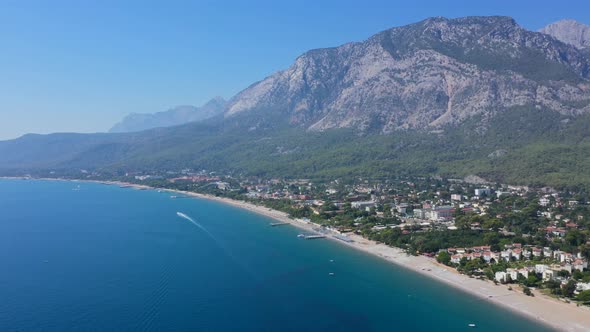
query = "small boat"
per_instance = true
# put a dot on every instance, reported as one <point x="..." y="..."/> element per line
<point x="331" y="261"/>
<point x="471" y="325"/>
<point x="172" y="196"/>
<point x="331" y="273"/>
<point x="301" y="235"/>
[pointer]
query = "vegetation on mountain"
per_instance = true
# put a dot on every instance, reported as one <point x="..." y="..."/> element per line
<point x="450" y="97"/>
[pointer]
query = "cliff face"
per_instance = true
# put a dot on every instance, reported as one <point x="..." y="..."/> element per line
<point x="425" y="76"/>
<point x="570" y="32"/>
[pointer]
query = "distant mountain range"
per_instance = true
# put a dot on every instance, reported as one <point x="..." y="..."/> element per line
<point x="455" y="97"/>
<point x="173" y="117"/>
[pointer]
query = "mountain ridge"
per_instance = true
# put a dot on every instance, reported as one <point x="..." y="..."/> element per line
<point x="175" y="116"/>
<point x="570" y="32"/>
<point x="453" y="97"/>
<point x="364" y="84"/>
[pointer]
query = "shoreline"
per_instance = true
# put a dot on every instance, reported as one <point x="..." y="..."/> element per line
<point x="542" y="309"/>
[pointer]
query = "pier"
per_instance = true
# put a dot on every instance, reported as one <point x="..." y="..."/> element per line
<point x="312" y="237"/>
<point x="273" y="224"/>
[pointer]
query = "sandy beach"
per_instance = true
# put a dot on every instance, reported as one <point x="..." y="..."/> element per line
<point x="541" y="308"/>
<point x="549" y="311"/>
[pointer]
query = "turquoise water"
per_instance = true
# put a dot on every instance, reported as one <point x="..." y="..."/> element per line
<point x="106" y="258"/>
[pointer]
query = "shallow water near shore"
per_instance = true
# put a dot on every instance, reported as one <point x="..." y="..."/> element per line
<point x="100" y="257"/>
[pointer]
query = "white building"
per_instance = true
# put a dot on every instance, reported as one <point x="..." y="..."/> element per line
<point x="420" y="213"/>
<point x="501" y="277"/>
<point x="549" y="275"/>
<point x="362" y="205"/>
<point x="540" y="268"/>
<point x="544" y="201"/>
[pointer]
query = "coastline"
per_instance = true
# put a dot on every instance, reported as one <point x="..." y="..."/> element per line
<point x="543" y="309"/>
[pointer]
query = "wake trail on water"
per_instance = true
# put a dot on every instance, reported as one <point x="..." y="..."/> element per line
<point x="184" y="216"/>
<point x="219" y="244"/>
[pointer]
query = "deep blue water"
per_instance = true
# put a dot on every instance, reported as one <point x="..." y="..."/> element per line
<point x="106" y="258"/>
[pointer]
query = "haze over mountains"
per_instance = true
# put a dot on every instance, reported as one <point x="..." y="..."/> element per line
<point x="172" y="117"/>
<point x="473" y="95"/>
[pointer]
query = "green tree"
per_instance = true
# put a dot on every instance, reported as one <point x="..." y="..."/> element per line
<point x="531" y="280"/>
<point x="554" y="286"/>
<point x="443" y="257"/>
<point x="584" y="297"/>
<point x="569" y="289"/>
<point x="527" y="291"/>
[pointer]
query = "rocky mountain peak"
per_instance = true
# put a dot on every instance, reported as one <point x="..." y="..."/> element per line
<point x="424" y="76"/>
<point x="570" y="32"/>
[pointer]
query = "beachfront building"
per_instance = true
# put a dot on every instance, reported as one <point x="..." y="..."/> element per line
<point x="549" y="275"/>
<point x="581" y="286"/>
<point x="501" y="277"/>
<point x="510" y="275"/>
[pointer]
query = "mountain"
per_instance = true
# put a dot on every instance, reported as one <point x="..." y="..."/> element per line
<point x="570" y="32"/>
<point x="425" y="76"/>
<point x="173" y="117"/>
<point x="452" y="97"/>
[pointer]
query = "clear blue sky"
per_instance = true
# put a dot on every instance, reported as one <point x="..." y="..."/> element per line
<point x="82" y="65"/>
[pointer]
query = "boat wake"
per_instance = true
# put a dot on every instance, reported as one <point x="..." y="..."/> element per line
<point x="217" y="242"/>
<point x="184" y="216"/>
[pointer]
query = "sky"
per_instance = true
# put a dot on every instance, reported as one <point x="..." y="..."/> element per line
<point x="81" y="66"/>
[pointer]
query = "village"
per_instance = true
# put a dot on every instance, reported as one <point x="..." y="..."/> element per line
<point x="537" y="238"/>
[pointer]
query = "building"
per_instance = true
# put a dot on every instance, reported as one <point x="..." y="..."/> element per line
<point x="483" y="192"/>
<point x="541" y="268"/>
<point x="501" y="277"/>
<point x="362" y="205"/>
<point x="419" y="213"/>
<point x="549" y="275"/>
<point x="402" y="208"/>
<point x="442" y="212"/>
<point x="456" y="197"/>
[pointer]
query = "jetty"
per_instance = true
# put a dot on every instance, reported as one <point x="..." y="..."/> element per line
<point x="313" y="237"/>
<point x="273" y="224"/>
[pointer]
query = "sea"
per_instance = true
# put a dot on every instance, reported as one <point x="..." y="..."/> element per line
<point x="78" y="256"/>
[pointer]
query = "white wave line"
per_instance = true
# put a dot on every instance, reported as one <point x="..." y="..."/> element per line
<point x="184" y="216"/>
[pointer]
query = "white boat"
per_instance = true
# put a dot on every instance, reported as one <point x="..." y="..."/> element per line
<point x="331" y="273"/>
<point x="301" y="235"/>
<point x="471" y="325"/>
